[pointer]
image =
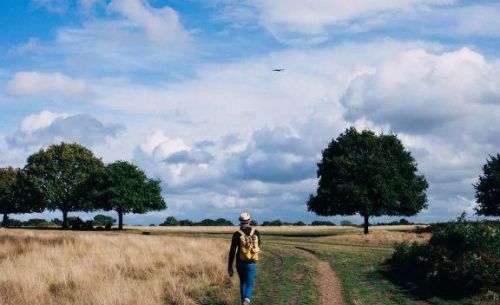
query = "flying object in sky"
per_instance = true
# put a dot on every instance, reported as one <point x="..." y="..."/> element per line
<point x="278" y="70"/>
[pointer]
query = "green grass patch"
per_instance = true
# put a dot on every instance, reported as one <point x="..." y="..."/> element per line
<point x="365" y="281"/>
<point x="285" y="277"/>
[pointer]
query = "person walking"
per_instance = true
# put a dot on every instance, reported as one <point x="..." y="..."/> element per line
<point x="245" y="245"/>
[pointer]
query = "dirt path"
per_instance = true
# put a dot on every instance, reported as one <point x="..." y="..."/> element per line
<point x="328" y="282"/>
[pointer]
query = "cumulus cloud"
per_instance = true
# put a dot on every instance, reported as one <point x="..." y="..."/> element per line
<point x="276" y="156"/>
<point x="443" y="105"/>
<point x="132" y="35"/>
<point x="419" y="91"/>
<point x="161" y="25"/>
<point x="310" y="21"/>
<point x="32" y="83"/>
<point x="45" y="128"/>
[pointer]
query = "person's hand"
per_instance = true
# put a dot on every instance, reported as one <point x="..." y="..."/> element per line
<point x="230" y="271"/>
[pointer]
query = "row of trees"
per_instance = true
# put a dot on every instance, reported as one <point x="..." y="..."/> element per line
<point x="69" y="178"/>
<point x="374" y="175"/>
<point x="99" y="221"/>
<point x="172" y="221"/>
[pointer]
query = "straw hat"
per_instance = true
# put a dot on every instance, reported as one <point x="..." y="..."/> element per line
<point x="245" y="216"/>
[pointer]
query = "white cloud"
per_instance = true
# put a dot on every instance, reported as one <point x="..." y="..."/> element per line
<point x="37" y="121"/>
<point x="45" y="128"/>
<point x="308" y="21"/>
<point x="419" y="91"/>
<point x="161" y="25"/>
<point x="160" y="146"/>
<point x="132" y="35"/>
<point x="29" y="83"/>
<point x="54" y="6"/>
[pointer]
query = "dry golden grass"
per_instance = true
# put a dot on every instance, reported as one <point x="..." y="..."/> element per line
<point x="230" y="229"/>
<point x="382" y="235"/>
<point x="59" y="268"/>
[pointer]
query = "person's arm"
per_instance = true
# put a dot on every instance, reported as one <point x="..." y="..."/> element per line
<point x="258" y="237"/>
<point x="232" y="251"/>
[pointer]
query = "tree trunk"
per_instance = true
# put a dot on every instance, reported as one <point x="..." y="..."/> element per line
<point x="120" y="220"/>
<point x="65" y="219"/>
<point x="366" y="224"/>
<point x="4" y="221"/>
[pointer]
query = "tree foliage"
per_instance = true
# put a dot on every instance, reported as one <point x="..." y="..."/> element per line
<point x="369" y="174"/>
<point x="124" y="188"/>
<point x="170" y="221"/>
<point x="18" y="193"/>
<point x="58" y="171"/>
<point x="488" y="188"/>
<point x="103" y="220"/>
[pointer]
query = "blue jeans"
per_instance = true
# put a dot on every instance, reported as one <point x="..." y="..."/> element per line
<point x="246" y="272"/>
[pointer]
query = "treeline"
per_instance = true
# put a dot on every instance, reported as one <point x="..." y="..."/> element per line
<point x="171" y="221"/>
<point x="69" y="178"/>
<point x="99" y="222"/>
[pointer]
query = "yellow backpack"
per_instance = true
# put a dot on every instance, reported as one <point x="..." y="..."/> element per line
<point x="249" y="246"/>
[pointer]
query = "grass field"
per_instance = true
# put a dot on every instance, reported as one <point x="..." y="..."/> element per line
<point x="180" y="265"/>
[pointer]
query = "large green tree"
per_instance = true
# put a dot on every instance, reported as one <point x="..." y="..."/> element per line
<point x="124" y="188"/>
<point x="488" y="188"/>
<point x="18" y="193"/>
<point x="58" y="171"/>
<point x="368" y="174"/>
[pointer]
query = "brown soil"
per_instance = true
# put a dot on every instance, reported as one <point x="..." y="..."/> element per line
<point x="328" y="282"/>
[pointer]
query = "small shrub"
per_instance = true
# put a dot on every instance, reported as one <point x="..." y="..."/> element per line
<point x="461" y="258"/>
<point x="102" y="220"/>
<point x="346" y="223"/>
<point x="75" y="223"/>
<point x="322" y="223"/>
<point x="88" y="225"/>
<point x="36" y="222"/>
<point x="273" y="223"/>
<point x="13" y="223"/>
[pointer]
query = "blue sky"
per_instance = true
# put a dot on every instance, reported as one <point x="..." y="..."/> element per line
<point x="185" y="90"/>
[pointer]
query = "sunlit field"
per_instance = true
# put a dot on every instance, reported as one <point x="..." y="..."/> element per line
<point x="382" y="235"/>
<point x="38" y="267"/>
<point x="187" y="265"/>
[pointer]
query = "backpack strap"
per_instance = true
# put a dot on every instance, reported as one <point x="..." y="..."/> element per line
<point x="252" y="232"/>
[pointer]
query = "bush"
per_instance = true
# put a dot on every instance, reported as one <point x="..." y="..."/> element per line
<point x="57" y="222"/>
<point x="322" y="223"/>
<point x="88" y="225"/>
<point x="36" y="222"/>
<point x="273" y="223"/>
<point x="461" y="258"/>
<point x="170" y="221"/>
<point x="13" y="223"/>
<point x="346" y="223"/>
<point x="185" y="223"/>
<point x="75" y="223"/>
<point x="103" y="220"/>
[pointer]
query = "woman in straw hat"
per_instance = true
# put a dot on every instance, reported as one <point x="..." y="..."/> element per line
<point x="245" y="246"/>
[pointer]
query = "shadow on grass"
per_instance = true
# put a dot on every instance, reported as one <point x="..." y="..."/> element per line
<point x="415" y="290"/>
<point x="418" y="290"/>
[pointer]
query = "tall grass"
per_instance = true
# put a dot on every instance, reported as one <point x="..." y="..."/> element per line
<point x="59" y="268"/>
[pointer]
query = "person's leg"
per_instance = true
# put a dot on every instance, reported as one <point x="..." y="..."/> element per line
<point x="250" y="280"/>
<point x="242" y="274"/>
